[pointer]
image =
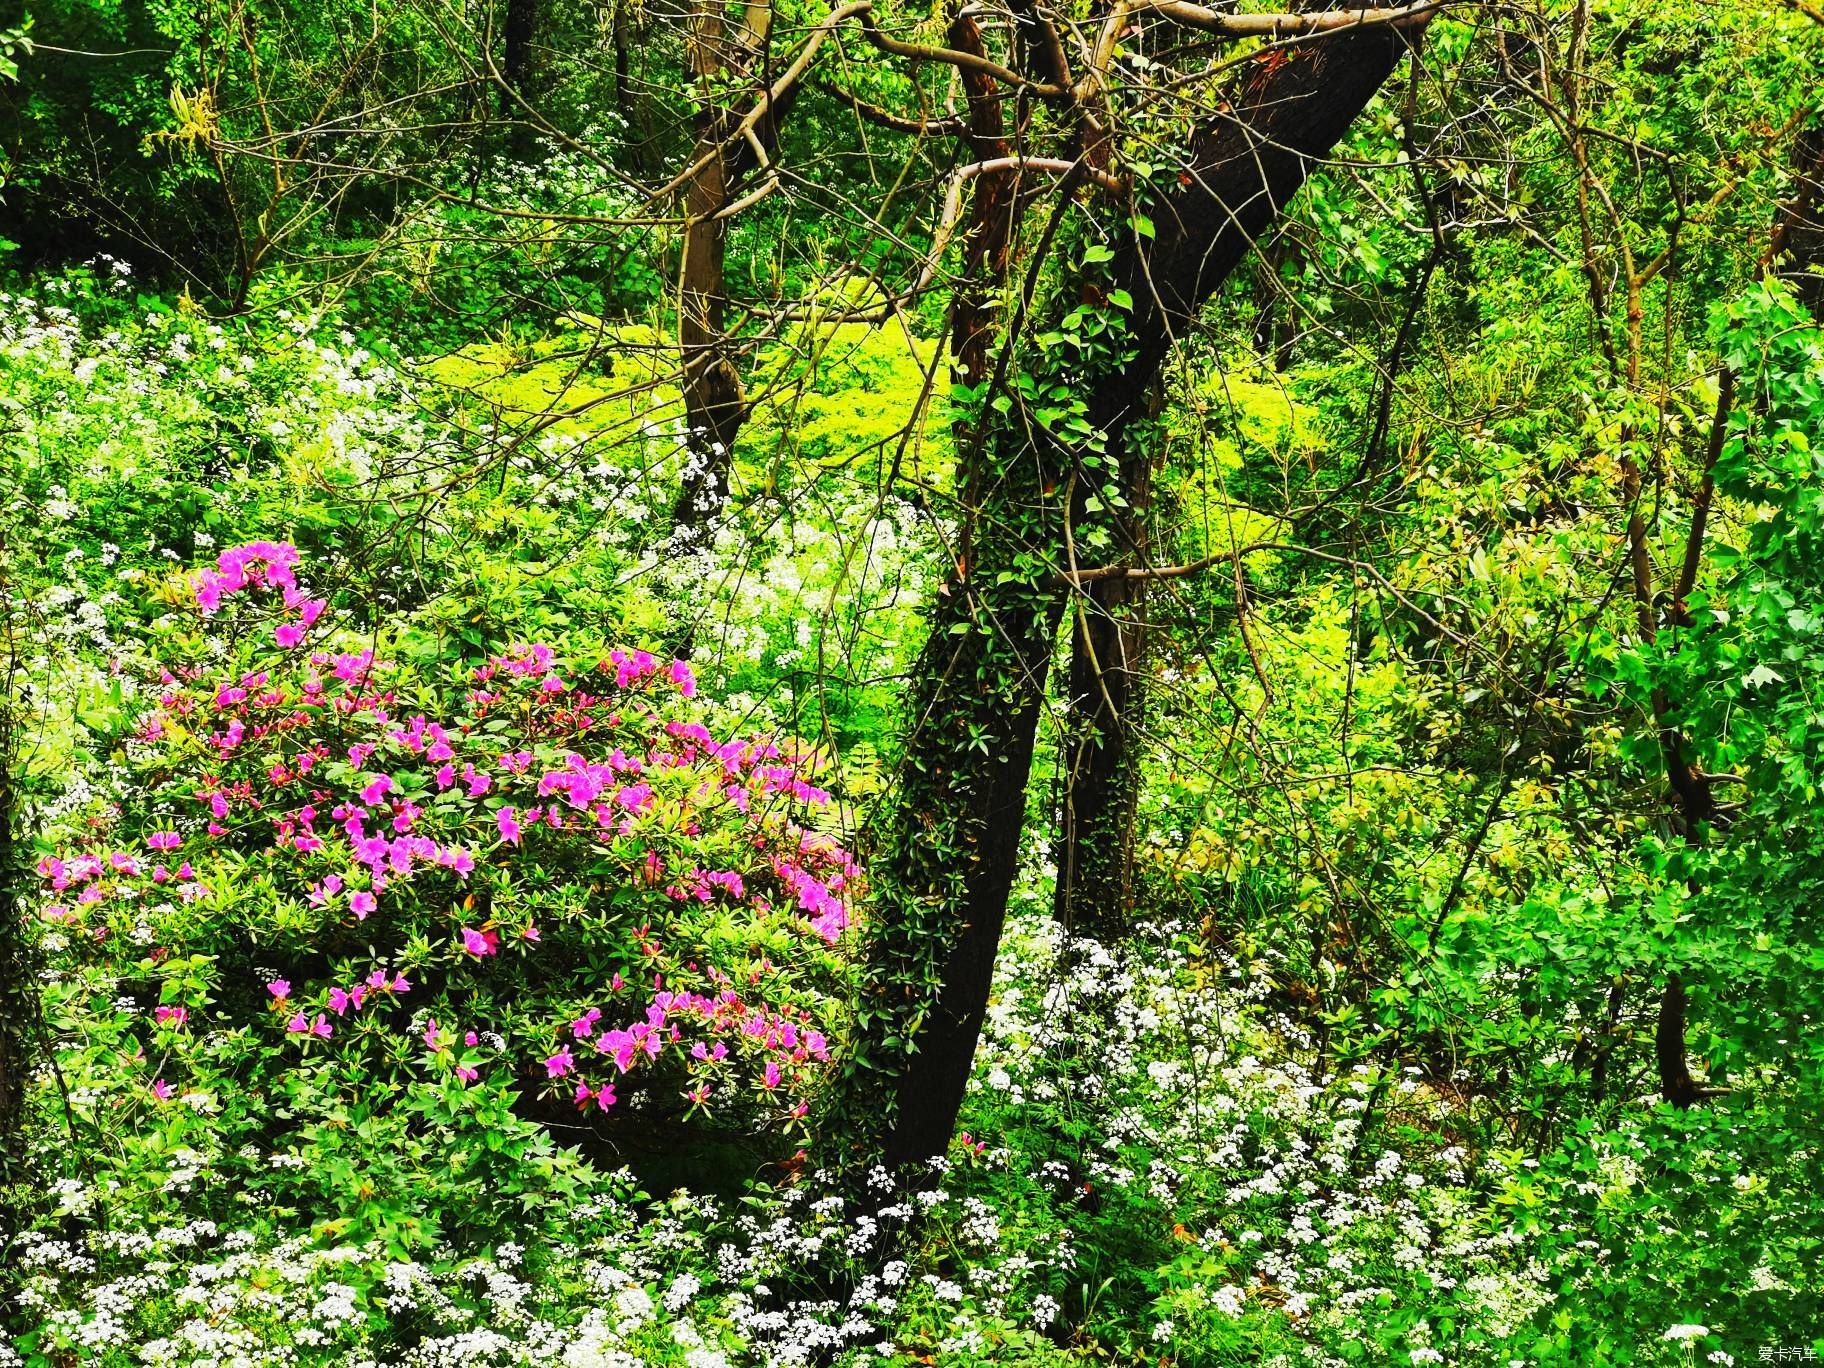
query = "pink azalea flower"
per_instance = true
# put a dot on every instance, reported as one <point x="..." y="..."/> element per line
<point x="771" y="1078"/>
<point x="161" y="1090"/>
<point x="279" y="988"/>
<point x="470" y="1038"/>
<point x="430" y="1034"/>
<point x="164" y="840"/>
<point x="479" y="943"/>
<point x="509" y="827"/>
<point x="530" y="933"/>
<point x="559" y="1064"/>
<point x="298" y="1025"/>
<point x="338" y="1001"/>
<point x="377" y="788"/>
<point x="361" y="904"/>
<point x="171" y="1016"/>
<point x="467" y="1075"/>
<point x="287" y="636"/>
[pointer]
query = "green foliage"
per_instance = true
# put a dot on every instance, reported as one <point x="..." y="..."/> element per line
<point x="1371" y="1077"/>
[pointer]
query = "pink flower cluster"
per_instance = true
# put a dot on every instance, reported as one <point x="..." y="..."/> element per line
<point x="781" y="1042"/>
<point x="262" y="565"/>
<point x="340" y="1000"/>
<point x="100" y="878"/>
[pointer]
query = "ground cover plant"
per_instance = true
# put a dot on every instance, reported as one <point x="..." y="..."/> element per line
<point x="1003" y="684"/>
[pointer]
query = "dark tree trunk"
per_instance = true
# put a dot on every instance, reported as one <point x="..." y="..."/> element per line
<point x="1094" y="893"/>
<point x="1246" y="167"/>
<point x="1275" y="322"/>
<point x="991" y="217"/>
<point x="628" y="100"/>
<point x="18" y="983"/>
<point x="950" y="842"/>
<point x="519" y="26"/>
<point x="1797" y="248"/>
<point x="1675" y="1082"/>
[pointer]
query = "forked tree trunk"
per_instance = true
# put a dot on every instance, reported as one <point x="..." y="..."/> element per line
<point x="950" y="841"/>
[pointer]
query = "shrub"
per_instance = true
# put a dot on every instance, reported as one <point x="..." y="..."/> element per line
<point x="372" y="904"/>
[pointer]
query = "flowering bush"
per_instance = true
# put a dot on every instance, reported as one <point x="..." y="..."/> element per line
<point x="545" y="873"/>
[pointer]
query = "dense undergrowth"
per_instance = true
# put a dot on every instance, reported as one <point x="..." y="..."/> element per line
<point x="1163" y="1155"/>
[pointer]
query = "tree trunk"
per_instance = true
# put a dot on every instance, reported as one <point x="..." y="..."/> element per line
<point x="18" y="982"/>
<point x="1094" y="893"/>
<point x="714" y="405"/>
<point x="979" y="684"/>
<point x="628" y="101"/>
<point x="518" y="27"/>
<point x="1797" y="247"/>
<point x="713" y="408"/>
<point x="1289" y="116"/>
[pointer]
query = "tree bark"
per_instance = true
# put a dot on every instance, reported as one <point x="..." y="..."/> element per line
<point x="18" y="982"/>
<point x="518" y="28"/>
<point x="1094" y="893"/>
<point x="713" y="409"/>
<point x="1797" y="247"/>
<point x="978" y="687"/>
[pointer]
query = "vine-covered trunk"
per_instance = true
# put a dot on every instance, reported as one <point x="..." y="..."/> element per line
<point x="951" y="837"/>
<point x="1094" y="892"/>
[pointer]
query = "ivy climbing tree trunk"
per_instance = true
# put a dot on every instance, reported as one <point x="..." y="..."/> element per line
<point x="1094" y="892"/>
<point x="950" y="840"/>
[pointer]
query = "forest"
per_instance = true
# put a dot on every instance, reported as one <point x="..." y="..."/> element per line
<point x="817" y="683"/>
